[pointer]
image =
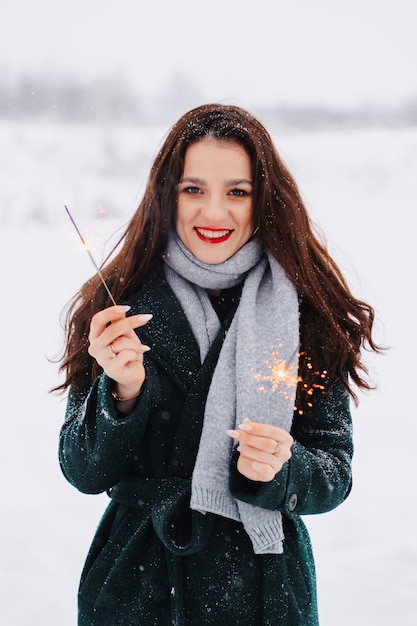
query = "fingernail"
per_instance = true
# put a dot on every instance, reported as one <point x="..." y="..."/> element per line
<point x="145" y="348"/>
<point x="233" y="433"/>
<point x="145" y="317"/>
<point x="123" y="308"/>
<point x="247" y="426"/>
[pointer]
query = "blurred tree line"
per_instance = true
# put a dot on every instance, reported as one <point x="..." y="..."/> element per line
<point x="103" y="99"/>
<point x="110" y="99"/>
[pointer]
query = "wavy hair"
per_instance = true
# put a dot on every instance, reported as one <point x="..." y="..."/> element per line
<point x="335" y="326"/>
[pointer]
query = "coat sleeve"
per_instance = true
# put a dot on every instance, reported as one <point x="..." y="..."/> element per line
<point x="318" y="477"/>
<point x="96" y="443"/>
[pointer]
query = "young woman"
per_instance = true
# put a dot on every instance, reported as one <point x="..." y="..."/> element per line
<point x="212" y="404"/>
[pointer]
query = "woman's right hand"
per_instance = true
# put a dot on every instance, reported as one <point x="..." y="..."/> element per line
<point x="117" y="348"/>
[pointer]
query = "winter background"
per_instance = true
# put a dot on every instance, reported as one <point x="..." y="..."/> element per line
<point x="87" y="92"/>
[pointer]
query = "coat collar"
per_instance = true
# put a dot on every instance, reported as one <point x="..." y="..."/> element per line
<point x="168" y="333"/>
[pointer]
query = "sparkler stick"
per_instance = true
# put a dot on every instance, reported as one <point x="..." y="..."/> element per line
<point x="96" y="267"/>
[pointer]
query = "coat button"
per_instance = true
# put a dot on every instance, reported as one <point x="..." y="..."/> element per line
<point x="292" y="502"/>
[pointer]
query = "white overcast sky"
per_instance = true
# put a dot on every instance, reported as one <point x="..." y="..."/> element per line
<point x="327" y="52"/>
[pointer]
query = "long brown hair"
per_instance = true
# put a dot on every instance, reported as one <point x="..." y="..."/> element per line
<point x="335" y="326"/>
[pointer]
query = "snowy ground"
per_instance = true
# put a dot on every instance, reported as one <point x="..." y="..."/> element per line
<point x="361" y="187"/>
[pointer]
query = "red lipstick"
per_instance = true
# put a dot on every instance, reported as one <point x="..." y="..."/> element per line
<point x="208" y="235"/>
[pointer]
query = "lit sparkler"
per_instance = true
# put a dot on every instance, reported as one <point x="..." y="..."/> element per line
<point x="282" y="376"/>
<point x="96" y="267"/>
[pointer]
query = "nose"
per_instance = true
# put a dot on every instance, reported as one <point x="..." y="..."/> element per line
<point x="214" y="208"/>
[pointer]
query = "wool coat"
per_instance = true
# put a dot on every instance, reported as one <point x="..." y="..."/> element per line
<point x="154" y="561"/>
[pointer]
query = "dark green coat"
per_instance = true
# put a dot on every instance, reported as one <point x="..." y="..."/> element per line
<point x="155" y="562"/>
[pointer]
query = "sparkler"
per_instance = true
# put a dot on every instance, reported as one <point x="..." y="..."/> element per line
<point x="282" y="375"/>
<point x="96" y="267"/>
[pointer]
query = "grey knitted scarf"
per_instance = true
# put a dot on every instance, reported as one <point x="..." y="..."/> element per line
<point x="255" y="376"/>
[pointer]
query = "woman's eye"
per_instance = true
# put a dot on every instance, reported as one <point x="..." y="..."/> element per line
<point x="191" y="190"/>
<point x="239" y="192"/>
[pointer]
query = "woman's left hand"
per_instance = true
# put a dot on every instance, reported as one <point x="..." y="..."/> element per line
<point x="263" y="450"/>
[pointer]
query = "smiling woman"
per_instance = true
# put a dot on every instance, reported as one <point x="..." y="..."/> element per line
<point x="214" y="203"/>
<point x="236" y="327"/>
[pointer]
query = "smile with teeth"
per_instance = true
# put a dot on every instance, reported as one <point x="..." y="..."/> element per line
<point x="212" y="235"/>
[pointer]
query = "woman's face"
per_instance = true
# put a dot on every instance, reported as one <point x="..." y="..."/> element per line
<point x="214" y="204"/>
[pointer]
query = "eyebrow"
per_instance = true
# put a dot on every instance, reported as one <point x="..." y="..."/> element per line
<point x="238" y="181"/>
<point x="228" y="183"/>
